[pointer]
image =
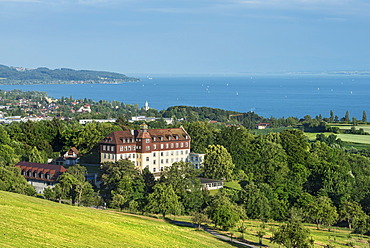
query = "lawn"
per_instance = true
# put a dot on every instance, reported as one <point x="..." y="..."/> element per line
<point x="32" y="222"/>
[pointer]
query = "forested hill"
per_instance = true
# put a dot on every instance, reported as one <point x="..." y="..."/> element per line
<point x="43" y="75"/>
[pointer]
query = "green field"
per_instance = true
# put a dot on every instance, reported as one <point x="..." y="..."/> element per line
<point x="338" y="237"/>
<point x="32" y="222"/>
<point x="353" y="138"/>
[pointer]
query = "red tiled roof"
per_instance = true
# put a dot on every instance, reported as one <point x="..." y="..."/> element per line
<point x="53" y="170"/>
<point x="117" y="136"/>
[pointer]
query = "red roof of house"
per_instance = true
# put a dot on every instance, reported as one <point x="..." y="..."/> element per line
<point x="53" y="170"/>
<point x="166" y="133"/>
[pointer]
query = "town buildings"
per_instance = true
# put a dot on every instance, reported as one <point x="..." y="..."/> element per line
<point x="155" y="149"/>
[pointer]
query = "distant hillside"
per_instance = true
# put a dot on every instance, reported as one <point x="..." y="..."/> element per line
<point x="31" y="222"/>
<point x="43" y="75"/>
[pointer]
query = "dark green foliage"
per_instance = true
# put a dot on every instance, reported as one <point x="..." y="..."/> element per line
<point x="202" y="135"/>
<point x="223" y="213"/>
<point x="121" y="182"/>
<point x="218" y="163"/>
<point x="183" y="179"/>
<point x="164" y="201"/>
<point x="364" y="116"/>
<point x="12" y="180"/>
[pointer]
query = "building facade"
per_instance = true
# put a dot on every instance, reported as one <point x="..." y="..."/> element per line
<point x="41" y="176"/>
<point x="155" y="149"/>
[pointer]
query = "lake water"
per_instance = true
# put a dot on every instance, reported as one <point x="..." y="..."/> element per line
<point x="292" y="95"/>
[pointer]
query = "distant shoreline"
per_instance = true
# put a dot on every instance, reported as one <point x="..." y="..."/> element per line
<point x="30" y="82"/>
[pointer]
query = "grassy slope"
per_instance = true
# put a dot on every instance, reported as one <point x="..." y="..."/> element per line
<point x="31" y="222"/>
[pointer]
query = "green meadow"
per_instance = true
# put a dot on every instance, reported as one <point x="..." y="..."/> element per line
<point x="336" y="237"/>
<point x="32" y="222"/>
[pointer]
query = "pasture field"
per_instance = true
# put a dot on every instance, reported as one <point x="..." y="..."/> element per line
<point x="366" y="128"/>
<point x="31" y="222"/>
<point x="338" y="237"/>
<point x="354" y="138"/>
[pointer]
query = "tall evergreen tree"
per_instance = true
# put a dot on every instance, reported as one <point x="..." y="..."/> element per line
<point x="331" y="116"/>
<point x="346" y="117"/>
<point x="364" y="117"/>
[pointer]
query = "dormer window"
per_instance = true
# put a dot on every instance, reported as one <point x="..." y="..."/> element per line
<point x="154" y="138"/>
<point x="169" y="137"/>
<point x="176" y="137"/>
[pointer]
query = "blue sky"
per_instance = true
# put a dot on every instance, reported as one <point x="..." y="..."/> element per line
<point x="186" y="36"/>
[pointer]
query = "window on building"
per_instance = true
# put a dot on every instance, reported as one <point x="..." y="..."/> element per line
<point x="147" y="159"/>
<point x="161" y="146"/>
<point x="182" y="152"/>
<point x="147" y="140"/>
<point x="166" y="153"/>
<point x="186" y="151"/>
<point x="133" y="155"/>
<point x="182" y="144"/>
<point x="153" y="169"/>
<point x="104" y="147"/>
<point x="125" y="148"/>
<point x="161" y="161"/>
<point x="167" y="161"/>
<point x="154" y="146"/>
<point x="186" y="144"/>
<point x="105" y="155"/>
<point x="154" y="161"/>
<point x="161" y="168"/>
<point x="171" y="145"/>
<point x="177" y="137"/>
<point x="171" y="153"/>
<point x="120" y="148"/>
<point x="177" y="145"/>
<point x="167" y="145"/>
<point x="108" y="148"/>
<point x="154" y="138"/>
<point x="147" y="148"/>
<point x="169" y="137"/>
<point x="112" y="148"/>
<point x="161" y="153"/>
<point x="177" y="153"/>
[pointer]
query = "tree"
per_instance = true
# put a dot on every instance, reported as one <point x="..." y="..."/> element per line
<point x="224" y="213"/>
<point x="164" y="201"/>
<point x="121" y="178"/>
<point x="49" y="193"/>
<point x="218" y="163"/>
<point x="11" y="180"/>
<point x="322" y="211"/>
<point x="183" y="178"/>
<point x="331" y="116"/>
<point x="291" y="235"/>
<point x="346" y="117"/>
<point x="202" y="135"/>
<point x="352" y="213"/>
<point x="260" y="234"/>
<point x="364" y="117"/>
<point x="199" y="218"/>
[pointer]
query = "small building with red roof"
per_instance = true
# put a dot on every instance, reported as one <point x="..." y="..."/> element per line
<point x="41" y="176"/>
